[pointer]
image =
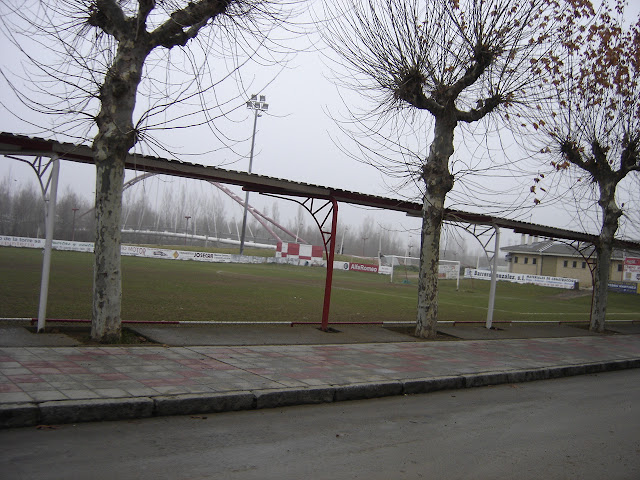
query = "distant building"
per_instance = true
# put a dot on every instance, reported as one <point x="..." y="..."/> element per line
<point x="555" y="259"/>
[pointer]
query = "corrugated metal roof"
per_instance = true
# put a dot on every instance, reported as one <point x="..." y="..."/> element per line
<point x="20" y="145"/>
<point x="559" y="249"/>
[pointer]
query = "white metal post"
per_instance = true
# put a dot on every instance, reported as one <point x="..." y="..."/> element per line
<point x="46" y="262"/>
<point x="494" y="277"/>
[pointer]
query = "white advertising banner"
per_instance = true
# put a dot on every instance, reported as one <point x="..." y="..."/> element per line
<point x="631" y="272"/>
<point x="24" y="242"/>
<point x="167" y="254"/>
<point x="21" y="242"/>
<point x="448" y="271"/>
<point x="544" y="281"/>
<point x="134" y="251"/>
<point x="362" y="267"/>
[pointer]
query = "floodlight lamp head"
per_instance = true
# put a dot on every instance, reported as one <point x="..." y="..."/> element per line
<point x="256" y="104"/>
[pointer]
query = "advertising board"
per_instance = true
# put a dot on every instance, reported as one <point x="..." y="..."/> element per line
<point x="631" y="271"/>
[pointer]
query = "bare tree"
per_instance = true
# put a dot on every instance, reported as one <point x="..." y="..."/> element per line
<point x="71" y="221"/>
<point x="21" y="210"/>
<point x="458" y="62"/>
<point x="111" y="70"/>
<point x="591" y="128"/>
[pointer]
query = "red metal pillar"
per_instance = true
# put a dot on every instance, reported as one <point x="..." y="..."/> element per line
<point x="330" y="248"/>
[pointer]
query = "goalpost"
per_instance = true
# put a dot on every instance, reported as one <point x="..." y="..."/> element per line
<point x="401" y="265"/>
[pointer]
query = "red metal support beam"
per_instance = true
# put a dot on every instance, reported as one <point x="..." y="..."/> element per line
<point x="330" y="248"/>
<point x="328" y="233"/>
<point x="328" y="239"/>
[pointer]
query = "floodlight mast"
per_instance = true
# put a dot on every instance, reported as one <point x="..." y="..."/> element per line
<point x="257" y="105"/>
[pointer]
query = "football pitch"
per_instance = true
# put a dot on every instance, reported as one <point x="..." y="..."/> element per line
<point x="163" y="290"/>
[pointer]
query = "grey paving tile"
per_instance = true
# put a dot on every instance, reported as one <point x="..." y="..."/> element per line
<point x="8" y="365"/>
<point x="45" y="396"/>
<point x="80" y="394"/>
<point x="199" y="389"/>
<point x="14" y="397"/>
<point x="142" y="391"/>
<point x="68" y="385"/>
<point x="36" y="387"/>
<point x="171" y="389"/>
<point x="110" y="392"/>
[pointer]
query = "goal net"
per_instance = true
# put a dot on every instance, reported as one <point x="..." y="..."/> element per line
<point x="407" y="268"/>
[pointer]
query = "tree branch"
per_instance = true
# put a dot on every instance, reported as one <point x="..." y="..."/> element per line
<point x="571" y="152"/>
<point x="410" y="88"/>
<point x="109" y="17"/>
<point x="145" y="7"/>
<point x="184" y="24"/>
<point x="484" y="108"/>
<point x="482" y="58"/>
<point x="630" y="157"/>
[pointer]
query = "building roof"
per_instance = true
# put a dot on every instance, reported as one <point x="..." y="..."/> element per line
<point x="558" y="249"/>
<point x="20" y="145"/>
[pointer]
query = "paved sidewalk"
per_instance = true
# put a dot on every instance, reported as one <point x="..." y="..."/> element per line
<point x="49" y="385"/>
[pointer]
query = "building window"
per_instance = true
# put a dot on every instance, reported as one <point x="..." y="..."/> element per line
<point x="515" y="259"/>
<point x="584" y="264"/>
<point x="534" y="260"/>
<point x="566" y="263"/>
<point x="619" y="267"/>
<point x="575" y="264"/>
<point x="526" y="260"/>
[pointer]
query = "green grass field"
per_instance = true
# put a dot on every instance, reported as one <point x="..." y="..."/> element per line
<point x="166" y="290"/>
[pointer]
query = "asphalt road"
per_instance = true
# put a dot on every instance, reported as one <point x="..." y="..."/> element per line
<point x="584" y="427"/>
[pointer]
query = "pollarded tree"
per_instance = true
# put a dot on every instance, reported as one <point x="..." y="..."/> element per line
<point x="459" y="62"/>
<point x="592" y="125"/>
<point x="111" y="70"/>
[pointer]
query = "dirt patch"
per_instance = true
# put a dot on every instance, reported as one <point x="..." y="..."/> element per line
<point x="586" y="327"/>
<point x="83" y="335"/>
<point x="411" y="331"/>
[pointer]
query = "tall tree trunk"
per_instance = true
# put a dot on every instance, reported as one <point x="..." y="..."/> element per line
<point x="610" y="216"/>
<point x="438" y="182"/>
<point x="116" y="136"/>
<point x="107" y="275"/>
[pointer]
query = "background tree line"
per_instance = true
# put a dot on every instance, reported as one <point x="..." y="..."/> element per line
<point x="22" y="214"/>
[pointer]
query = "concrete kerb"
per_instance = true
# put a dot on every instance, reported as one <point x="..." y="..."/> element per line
<point x="76" y="411"/>
<point x="198" y="403"/>
<point x="274" y="398"/>
<point x="363" y="391"/>
<point x="94" y="410"/>
<point x="19" y="415"/>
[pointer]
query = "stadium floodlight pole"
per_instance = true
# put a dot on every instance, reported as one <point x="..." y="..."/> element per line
<point x="73" y="224"/>
<point x="342" y="241"/>
<point x="257" y="105"/>
<point x="186" y="228"/>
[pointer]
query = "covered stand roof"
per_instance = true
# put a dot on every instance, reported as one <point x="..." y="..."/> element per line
<point x="557" y="249"/>
<point x="11" y="144"/>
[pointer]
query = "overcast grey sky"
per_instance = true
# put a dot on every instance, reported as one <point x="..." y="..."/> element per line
<point x="296" y="140"/>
